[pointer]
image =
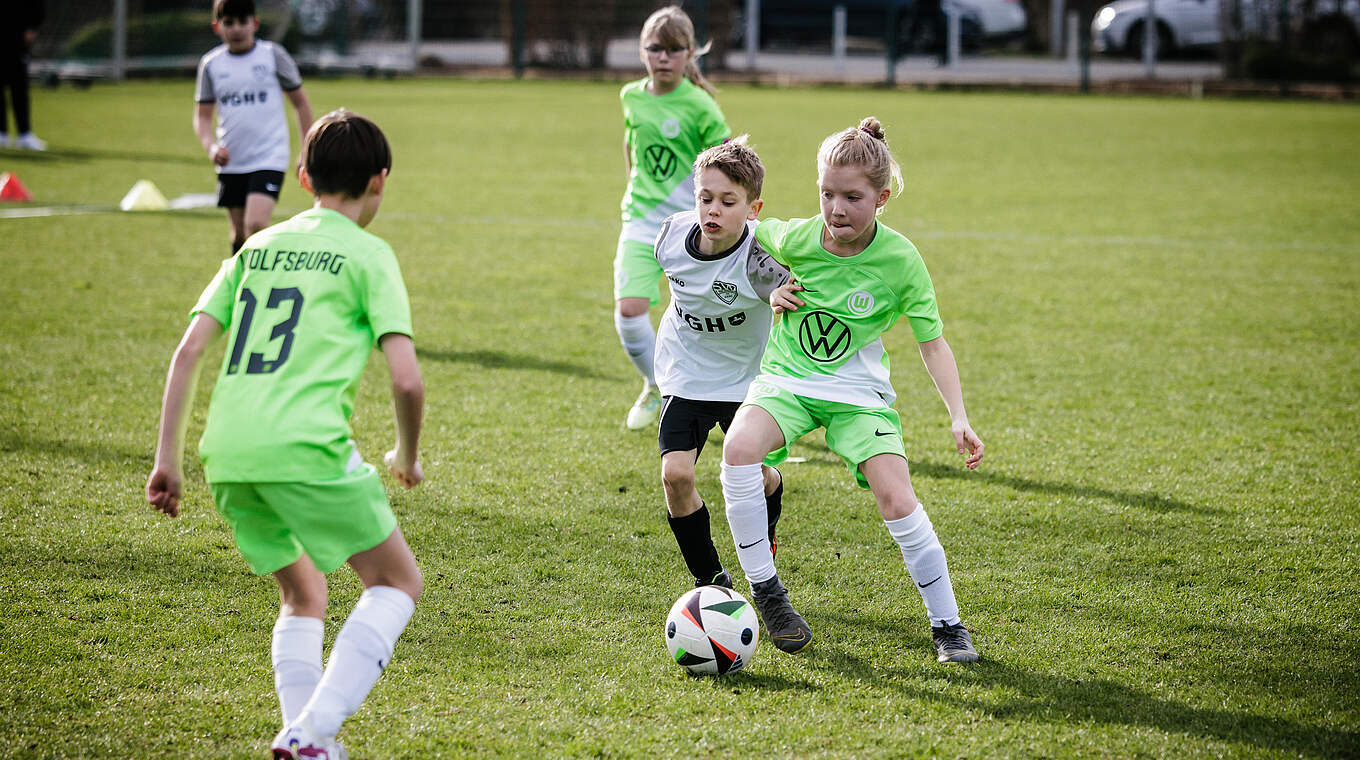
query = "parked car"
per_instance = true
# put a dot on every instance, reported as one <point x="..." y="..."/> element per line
<point x="1189" y="24"/>
<point x="809" y="21"/>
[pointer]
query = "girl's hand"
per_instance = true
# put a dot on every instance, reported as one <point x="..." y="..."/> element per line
<point x="163" y="490"/>
<point x="783" y="298"/>
<point x="405" y="469"/>
<point x="968" y="444"/>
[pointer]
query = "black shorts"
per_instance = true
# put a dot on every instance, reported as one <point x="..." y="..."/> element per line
<point x="232" y="189"/>
<point x="685" y="423"/>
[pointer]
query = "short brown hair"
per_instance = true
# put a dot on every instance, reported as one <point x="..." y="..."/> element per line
<point x="342" y="151"/>
<point x="738" y="162"/>
<point x="233" y="9"/>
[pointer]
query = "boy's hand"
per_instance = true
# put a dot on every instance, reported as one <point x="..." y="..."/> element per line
<point x="163" y="490"/>
<point x="405" y="469"/>
<point x="219" y="154"/>
<point x="783" y="298"/>
<point x="968" y="444"/>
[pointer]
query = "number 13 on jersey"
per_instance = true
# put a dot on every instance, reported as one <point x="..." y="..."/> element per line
<point x="257" y="364"/>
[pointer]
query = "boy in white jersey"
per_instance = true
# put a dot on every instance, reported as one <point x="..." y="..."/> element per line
<point x="245" y="80"/>
<point x="710" y="340"/>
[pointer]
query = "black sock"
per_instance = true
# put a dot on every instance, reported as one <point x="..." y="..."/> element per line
<point x="774" y="503"/>
<point x="236" y="245"/>
<point x="696" y="544"/>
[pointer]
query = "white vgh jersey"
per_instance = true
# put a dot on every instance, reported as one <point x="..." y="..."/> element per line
<point x="248" y="90"/>
<point x="711" y="338"/>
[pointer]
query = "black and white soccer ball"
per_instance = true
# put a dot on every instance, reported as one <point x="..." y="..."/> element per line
<point x="712" y="630"/>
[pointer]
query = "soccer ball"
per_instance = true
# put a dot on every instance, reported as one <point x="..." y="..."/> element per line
<point x="712" y="630"/>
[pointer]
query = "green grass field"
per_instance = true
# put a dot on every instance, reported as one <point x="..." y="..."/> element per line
<point x="1154" y="305"/>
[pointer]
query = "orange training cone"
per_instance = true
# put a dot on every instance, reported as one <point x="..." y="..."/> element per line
<point x="11" y="189"/>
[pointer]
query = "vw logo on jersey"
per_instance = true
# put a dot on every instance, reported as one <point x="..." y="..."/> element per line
<point x="823" y="337"/>
<point x="860" y="302"/>
<point x="759" y="389"/>
<point x="725" y="291"/>
<point x="659" y="161"/>
<point x="670" y="129"/>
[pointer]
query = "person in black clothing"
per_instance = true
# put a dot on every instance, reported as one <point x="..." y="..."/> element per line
<point x="19" y="20"/>
<point x="929" y="14"/>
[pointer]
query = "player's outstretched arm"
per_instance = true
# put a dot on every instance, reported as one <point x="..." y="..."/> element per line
<point x="165" y="486"/>
<point x="408" y="398"/>
<point x="782" y="299"/>
<point x="939" y="361"/>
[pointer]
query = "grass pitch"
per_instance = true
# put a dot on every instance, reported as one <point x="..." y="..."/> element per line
<point x="1154" y="308"/>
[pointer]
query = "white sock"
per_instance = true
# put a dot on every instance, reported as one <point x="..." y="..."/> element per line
<point x="926" y="564"/>
<point x="639" y="340"/>
<point x="361" y="650"/>
<point x="744" y="491"/>
<point x="296" y="653"/>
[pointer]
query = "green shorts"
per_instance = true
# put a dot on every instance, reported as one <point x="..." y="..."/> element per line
<point x="855" y="433"/>
<point x="330" y="520"/>
<point x="636" y="272"/>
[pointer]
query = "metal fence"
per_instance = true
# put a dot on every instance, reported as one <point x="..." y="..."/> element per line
<point x="83" y="39"/>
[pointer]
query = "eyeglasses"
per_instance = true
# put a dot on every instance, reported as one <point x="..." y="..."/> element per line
<point x="659" y="49"/>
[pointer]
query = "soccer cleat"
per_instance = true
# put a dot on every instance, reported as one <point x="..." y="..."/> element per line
<point x="723" y="578"/>
<point x="646" y="409"/>
<point x="788" y="630"/>
<point x="30" y="141"/>
<point x="953" y="643"/>
<point x="301" y="742"/>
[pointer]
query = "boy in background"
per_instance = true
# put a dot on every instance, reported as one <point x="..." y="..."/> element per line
<point x="245" y="80"/>
<point x="304" y="303"/>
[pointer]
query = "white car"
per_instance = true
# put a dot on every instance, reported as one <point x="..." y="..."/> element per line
<point x="1181" y="24"/>
<point x="1118" y="27"/>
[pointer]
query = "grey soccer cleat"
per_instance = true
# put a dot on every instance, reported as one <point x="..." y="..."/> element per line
<point x="787" y="629"/>
<point x="953" y="643"/>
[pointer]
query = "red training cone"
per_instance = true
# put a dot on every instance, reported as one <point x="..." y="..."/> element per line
<point x="11" y="189"/>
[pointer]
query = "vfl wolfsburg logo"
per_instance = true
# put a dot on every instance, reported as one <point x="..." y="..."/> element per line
<point x="659" y="162"/>
<point x="860" y="302"/>
<point x="823" y="337"/>
<point x="726" y="292"/>
<point x="670" y="128"/>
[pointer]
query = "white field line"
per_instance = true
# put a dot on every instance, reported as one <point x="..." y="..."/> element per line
<point x="20" y="212"/>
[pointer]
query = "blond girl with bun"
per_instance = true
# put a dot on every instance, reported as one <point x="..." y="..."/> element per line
<point x="669" y="118"/>
<point x="825" y="366"/>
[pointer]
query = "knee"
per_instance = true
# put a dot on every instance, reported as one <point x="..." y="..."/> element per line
<point x="632" y="307"/>
<point x="738" y="450"/>
<point x="677" y="479"/>
<point x="897" y="505"/>
<point x="307" y="600"/>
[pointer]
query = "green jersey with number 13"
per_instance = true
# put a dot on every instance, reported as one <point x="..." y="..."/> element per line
<point x="304" y="303"/>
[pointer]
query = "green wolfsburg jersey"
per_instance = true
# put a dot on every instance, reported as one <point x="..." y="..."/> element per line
<point x="665" y="134"/>
<point x="304" y="302"/>
<point x="830" y="349"/>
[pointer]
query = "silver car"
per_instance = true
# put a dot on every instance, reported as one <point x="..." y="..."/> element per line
<point x="1184" y="24"/>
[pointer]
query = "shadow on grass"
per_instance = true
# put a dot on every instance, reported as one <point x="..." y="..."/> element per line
<point x="502" y="360"/>
<point x="81" y="451"/>
<point x="1149" y="501"/>
<point x="56" y="155"/>
<point x="1040" y="697"/>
